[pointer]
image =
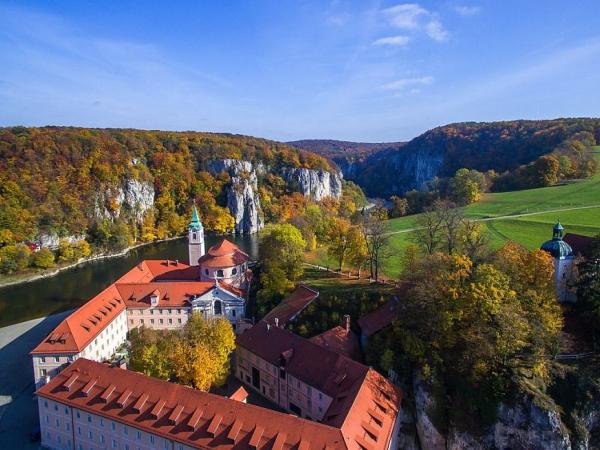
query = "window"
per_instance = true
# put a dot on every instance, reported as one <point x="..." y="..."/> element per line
<point x="142" y="321"/>
<point x="125" y="429"/>
<point x="139" y="435"/>
<point x="206" y="272"/>
<point x="47" y="419"/>
<point x="78" y="415"/>
<point x="320" y="396"/>
<point x="68" y="426"/>
<point x="178" y="320"/>
<point x="43" y="372"/>
<point x="151" y="320"/>
<point x="57" y="423"/>
<point x="45" y="403"/>
<point x="220" y="273"/>
<point x="152" y="439"/>
<point x="218" y="308"/>
<point x="70" y="358"/>
<point x="89" y="418"/>
<point x="101" y="422"/>
<point x="90" y="435"/>
<point x="160" y="320"/>
<point x="43" y="359"/>
<point x="170" y="321"/>
<point x="79" y="431"/>
<point x="102" y="439"/>
<point x="234" y="271"/>
<point x="112" y="426"/>
<point x="114" y="444"/>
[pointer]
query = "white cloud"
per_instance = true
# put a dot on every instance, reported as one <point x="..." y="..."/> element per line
<point x="436" y="31"/>
<point x="394" y="41"/>
<point x="413" y="17"/>
<point x="405" y="15"/>
<point x="465" y="10"/>
<point x="404" y="83"/>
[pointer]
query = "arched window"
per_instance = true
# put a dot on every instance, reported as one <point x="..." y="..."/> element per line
<point x="194" y="236"/>
<point x="234" y="271"/>
<point x="218" y="308"/>
<point x="206" y="272"/>
<point x="220" y="273"/>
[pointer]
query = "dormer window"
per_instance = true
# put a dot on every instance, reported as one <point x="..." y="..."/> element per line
<point x="234" y="271"/>
<point x="154" y="299"/>
<point x="220" y="273"/>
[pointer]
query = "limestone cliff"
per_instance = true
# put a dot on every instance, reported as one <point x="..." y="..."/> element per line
<point x="317" y="184"/>
<point x="243" y="200"/>
<point x="524" y="424"/>
<point x="134" y="197"/>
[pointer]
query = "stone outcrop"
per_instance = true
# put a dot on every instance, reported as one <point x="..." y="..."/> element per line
<point x="133" y="196"/>
<point x="51" y="240"/>
<point x="316" y="184"/>
<point x="522" y="425"/>
<point x="243" y="200"/>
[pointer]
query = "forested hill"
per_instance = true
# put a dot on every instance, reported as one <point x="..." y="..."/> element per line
<point x="333" y="149"/>
<point x="498" y="146"/>
<point x="75" y="182"/>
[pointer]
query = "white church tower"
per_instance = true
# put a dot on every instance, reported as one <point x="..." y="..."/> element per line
<point x="563" y="264"/>
<point x="195" y="238"/>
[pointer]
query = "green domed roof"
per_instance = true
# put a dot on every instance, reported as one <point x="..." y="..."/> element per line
<point x="556" y="246"/>
<point x="195" y="223"/>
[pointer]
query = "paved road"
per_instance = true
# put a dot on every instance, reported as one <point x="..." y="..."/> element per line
<point x="18" y="408"/>
<point x="508" y="216"/>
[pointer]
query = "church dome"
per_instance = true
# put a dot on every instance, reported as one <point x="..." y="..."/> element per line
<point x="556" y="246"/>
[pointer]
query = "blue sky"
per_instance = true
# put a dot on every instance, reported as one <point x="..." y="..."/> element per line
<point x="362" y="70"/>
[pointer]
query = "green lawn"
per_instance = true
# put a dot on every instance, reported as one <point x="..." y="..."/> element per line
<point x="529" y="230"/>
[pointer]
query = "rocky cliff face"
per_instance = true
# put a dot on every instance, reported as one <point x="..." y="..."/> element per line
<point x="317" y="184"/>
<point x="520" y="426"/>
<point x="243" y="200"/>
<point x="134" y="197"/>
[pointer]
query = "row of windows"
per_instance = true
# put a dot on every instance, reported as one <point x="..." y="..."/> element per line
<point x="160" y="321"/>
<point x="159" y="311"/>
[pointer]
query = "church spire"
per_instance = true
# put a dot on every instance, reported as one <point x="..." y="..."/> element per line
<point x="195" y="222"/>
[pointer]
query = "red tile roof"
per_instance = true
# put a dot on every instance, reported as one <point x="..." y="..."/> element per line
<point x="340" y="340"/>
<point x="292" y="305"/>
<point x="379" y="319"/>
<point x="132" y="290"/>
<point x="83" y="325"/>
<point x="175" y="294"/>
<point x="355" y="388"/>
<point x="580" y="244"/>
<point x="224" y="254"/>
<point x="183" y="414"/>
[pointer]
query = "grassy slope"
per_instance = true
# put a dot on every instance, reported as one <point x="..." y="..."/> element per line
<point x="529" y="230"/>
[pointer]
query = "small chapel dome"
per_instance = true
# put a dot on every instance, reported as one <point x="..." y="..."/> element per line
<point x="556" y="246"/>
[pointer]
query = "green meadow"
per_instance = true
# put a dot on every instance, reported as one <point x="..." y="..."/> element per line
<point x="502" y="214"/>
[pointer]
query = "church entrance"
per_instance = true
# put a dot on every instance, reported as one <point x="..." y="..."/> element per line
<point x="218" y="307"/>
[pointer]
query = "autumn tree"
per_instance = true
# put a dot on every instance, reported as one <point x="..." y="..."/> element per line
<point x="466" y="186"/>
<point x="281" y="257"/>
<point x="399" y="206"/>
<point x="429" y="231"/>
<point x="375" y="231"/>
<point x="339" y="241"/>
<point x="196" y="355"/>
<point x="42" y="259"/>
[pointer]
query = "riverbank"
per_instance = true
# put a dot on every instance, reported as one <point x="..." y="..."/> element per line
<point x="39" y="275"/>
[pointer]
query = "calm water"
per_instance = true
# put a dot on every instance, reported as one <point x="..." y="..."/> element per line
<point x="73" y="287"/>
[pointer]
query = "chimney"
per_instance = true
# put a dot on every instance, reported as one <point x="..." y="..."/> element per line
<point x="347" y="322"/>
<point x="277" y="321"/>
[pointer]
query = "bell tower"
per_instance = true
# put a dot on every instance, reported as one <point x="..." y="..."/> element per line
<point x="195" y="238"/>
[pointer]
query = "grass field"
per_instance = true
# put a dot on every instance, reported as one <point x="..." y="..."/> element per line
<point x="542" y="207"/>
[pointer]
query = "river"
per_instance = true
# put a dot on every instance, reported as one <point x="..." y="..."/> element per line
<point x="71" y="288"/>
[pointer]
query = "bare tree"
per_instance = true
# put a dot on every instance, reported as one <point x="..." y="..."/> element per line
<point x="451" y="218"/>
<point x="428" y="234"/>
<point x="375" y="231"/>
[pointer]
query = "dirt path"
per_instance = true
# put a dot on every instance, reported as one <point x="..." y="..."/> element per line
<point x="508" y="216"/>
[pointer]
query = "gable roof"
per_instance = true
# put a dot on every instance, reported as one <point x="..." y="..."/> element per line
<point x="325" y="370"/>
<point x="160" y="270"/>
<point x="292" y="305"/>
<point x="379" y="319"/>
<point x="175" y="294"/>
<point x="84" y="324"/>
<point x="223" y="254"/>
<point x="183" y="414"/>
<point x="358" y="392"/>
<point x="580" y="244"/>
<point x="340" y="340"/>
